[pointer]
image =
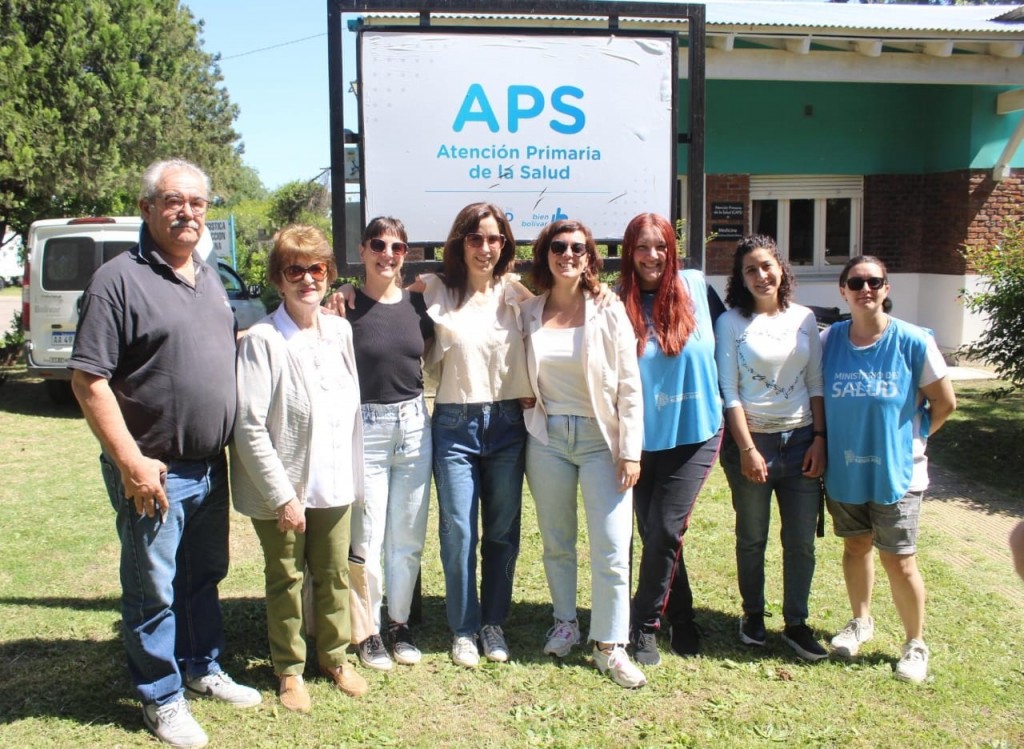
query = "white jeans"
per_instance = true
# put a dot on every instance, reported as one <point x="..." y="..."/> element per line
<point x="576" y="454"/>
<point x="392" y="518"/>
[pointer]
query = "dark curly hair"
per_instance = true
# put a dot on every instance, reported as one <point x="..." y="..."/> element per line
<point x="737" y="294"/>
<point x="541" y="271"/>
<point x="468" y="221"/>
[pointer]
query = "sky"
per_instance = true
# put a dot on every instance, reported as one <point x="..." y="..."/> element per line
<point x="274" y="65"/>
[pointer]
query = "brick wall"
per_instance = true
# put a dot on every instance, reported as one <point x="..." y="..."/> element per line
<point x="724" y="188"/>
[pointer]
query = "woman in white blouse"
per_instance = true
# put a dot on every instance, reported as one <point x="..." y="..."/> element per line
<point x="586" y="431"/>
<point x="297" y="460"/>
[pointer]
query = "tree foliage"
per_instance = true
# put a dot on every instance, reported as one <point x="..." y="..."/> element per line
<point x="1002" y="302"/>
<point x="93" y="91"/>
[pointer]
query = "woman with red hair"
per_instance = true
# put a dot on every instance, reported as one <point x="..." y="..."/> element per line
<point x="673" y="313"/>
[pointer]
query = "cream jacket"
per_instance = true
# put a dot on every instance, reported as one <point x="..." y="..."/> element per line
<point x="612" y="376"/>
<point x="271" y="444"/>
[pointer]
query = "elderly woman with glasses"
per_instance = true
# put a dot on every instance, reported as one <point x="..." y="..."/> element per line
<point x="391" y="329"/>
<point x="479" y="437"/>
<point x="297" y="460"/>
<point x="586" y="431"/>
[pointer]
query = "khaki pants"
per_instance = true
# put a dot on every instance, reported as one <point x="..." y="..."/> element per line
<point x="323" y="551"/>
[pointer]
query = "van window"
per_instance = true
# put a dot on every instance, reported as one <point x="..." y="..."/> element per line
<point x="69" y="262"/>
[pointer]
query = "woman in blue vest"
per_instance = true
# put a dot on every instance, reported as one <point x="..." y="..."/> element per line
<point x="886" y="392"/>
<point x="769" y="366"/>
<point x="673" y="315"/>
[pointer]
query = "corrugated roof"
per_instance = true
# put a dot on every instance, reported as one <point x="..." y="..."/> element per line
<point x="751" y="15"/>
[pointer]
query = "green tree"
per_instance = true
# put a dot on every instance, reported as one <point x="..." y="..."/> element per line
<point x="1002" y="301"/>
<point x="92" y="91"/>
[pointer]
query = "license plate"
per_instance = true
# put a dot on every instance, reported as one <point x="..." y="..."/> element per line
<point x="62" y="338"/>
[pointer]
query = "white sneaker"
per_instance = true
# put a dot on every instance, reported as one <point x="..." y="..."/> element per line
<point x="174" y="725"/>
<point x="561" y="637"/>
<point x="913" y="666"/>
<point x="849" y="639"/>
<point x="618" y="665"/>
<point x="464" y="652"/>
<point x="220" y="686"/>
<point x="493" y="641"/>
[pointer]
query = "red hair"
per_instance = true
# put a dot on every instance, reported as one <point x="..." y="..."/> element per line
<point x="672" y="318"/>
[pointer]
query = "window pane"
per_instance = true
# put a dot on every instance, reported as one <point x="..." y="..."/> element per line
<point x="801" y="232"/>
<point x="765" y="218"/>
<point x="837" y="230"/>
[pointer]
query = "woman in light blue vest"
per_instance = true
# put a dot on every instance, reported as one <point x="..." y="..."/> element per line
<point x="886" y="392"/>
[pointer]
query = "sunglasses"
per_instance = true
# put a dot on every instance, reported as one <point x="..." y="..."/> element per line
<point x="397" y="248"/>
<point x="475" y="240"/>
<point x="295" y="273"/>
<point x="856" y="284"/>
<point x="560" y="247"/>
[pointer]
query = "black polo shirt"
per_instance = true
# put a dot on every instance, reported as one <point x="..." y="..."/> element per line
<point x="168" y="350"/>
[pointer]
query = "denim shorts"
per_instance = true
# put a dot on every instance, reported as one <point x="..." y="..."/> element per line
<point x="893" y="527"/>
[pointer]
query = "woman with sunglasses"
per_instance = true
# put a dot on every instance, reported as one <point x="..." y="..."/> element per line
<point x="769" y="367"/>
<point x="586" y="432"/>
<point x="297" y="460"/>
<point x="479" y="438"/>
<point x="886" y="391"/>
<point x="672" y="313"/>
<point x="391" y="329"/>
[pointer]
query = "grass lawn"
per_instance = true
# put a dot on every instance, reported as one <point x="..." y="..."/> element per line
<point x="65" y="681"/>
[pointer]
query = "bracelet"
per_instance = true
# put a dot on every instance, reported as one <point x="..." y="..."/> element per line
<point x="747" y="449"/>
<point x="819" y="434"/>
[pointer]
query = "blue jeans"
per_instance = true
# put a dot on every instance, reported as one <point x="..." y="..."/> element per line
<point x="392" y="518"/>
<point x="479" y="459"/>
<point x="799" y="501"/>
<point x="577" y="455"/>
<point x="170" y="570"/>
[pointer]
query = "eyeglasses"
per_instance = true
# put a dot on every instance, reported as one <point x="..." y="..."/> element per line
<point x="856" y="284"/>
<point x="397" y="248"/>
<point x="475" y="240"/>
<point x="295" y="273"/>
<point x="174" y="203"/>
<point x="560" y="247"/>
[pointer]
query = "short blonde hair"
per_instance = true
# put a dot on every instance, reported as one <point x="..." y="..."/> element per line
<point x="297" y="241"/>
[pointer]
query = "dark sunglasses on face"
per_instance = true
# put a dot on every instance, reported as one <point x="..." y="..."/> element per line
<point x="397" y="248"/>
<point x="856" y="284"/>
<point x="560" y="247"/>
<point x="295" y="273"/>
<point x="475" y="240"/>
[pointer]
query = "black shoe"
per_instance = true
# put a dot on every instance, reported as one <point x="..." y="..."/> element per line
<point x="752" y="629"/>
<point x="804" y="643"/>
<point x="684" y="639"/>
<point x="403" y="646"/>
<point x="645" y="647"/>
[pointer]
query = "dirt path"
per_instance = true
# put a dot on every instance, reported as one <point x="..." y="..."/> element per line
<point x="977" y="521"/>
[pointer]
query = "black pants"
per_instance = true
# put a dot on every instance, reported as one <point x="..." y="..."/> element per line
<point x="663" y="501"/>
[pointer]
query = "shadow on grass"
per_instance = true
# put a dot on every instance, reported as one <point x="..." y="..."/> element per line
<point x="25" y="395"/>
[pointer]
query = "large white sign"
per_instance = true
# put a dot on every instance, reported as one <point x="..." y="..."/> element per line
<point x="545" y="127"/>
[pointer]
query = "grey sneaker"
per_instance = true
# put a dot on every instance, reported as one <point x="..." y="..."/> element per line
<point x="219" y="686"/>
<point x="847" y="642"/>
<point x="752" y="629"/>
<point x="913" y="666"/>
<point x="372" y="654"/>
<point x="403" y="646"/>
<point x="464" y="652"/>
<point x="561" y="638"/>
<point x="616" y="663"/>
<point x="645" y="647"/>
<point x="493" y="641"/>
<point x="174" y="725"/>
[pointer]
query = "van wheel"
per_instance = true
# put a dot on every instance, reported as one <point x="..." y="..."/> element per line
<point x="59" y="392"/>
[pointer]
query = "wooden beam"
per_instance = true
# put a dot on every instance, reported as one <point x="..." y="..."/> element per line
<point x="1010" y="101"/>
<point x="799" y="46"/>
<point x="723" y="42"/>
<point x="1006" y="49"/>
<point x="938" y="49"/>
<point x="868" y="47"/>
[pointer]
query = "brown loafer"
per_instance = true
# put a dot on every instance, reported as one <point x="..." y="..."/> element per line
<point x="293" y="695"/>
<point x="348" y="679"/>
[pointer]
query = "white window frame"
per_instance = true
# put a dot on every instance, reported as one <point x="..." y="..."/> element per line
<point x="819" y="188"/>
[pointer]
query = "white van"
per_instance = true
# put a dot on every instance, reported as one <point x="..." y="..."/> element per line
<point x="61" y="257"/>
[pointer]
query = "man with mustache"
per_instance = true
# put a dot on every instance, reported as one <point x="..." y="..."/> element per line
<point x="154" y="372"/>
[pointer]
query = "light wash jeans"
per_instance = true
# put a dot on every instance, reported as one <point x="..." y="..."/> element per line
<point x="392" y="518"/>
<point x="799" y="500"/>
<point x="479" y="450"/>
<point x="170" y="570"/>
<point x="577" y="455"/>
